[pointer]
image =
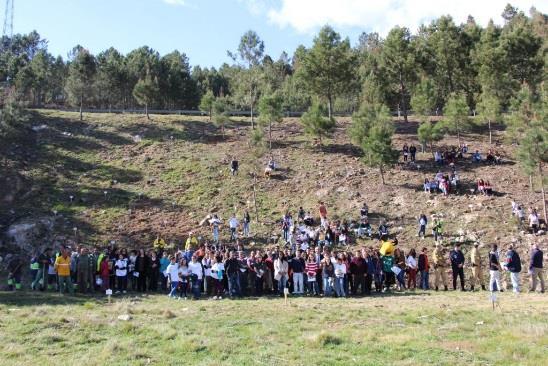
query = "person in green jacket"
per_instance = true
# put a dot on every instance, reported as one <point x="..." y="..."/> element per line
<point x="42" y="274"/>
<point x="84" y="271"/>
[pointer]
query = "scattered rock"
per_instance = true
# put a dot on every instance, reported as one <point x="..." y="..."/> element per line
<point x="124" y="317"/>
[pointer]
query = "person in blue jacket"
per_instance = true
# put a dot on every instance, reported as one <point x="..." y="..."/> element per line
<point x="457" y="266"/>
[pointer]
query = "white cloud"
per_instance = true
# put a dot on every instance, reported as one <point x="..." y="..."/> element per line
<point x="176" y="2"/>
<point x="379" y="15"/>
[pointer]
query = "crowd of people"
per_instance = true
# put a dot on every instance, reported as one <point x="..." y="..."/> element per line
<point x="312" y="258"/>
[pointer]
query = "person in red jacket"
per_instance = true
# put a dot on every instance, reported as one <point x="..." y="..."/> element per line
<point x="104" y="273"/>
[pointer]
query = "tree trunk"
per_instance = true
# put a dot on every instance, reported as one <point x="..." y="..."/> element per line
<point x="382" y="174"/>
<point x="270" y="135"/>
<point x="329" y="106"/>
<point x="251" y="105"/>
<point x="81" y="104"/>
<point x="543" y="193"/>
<point x="490" y="136"/>
<point x="432" y="149"/>
<point x="458" y="134"/>
<point x="223" y="130"/>
<point x="531" y="182"/>
<point x="255" y="196"/>
<point x="402" y="100"/>
<point x="146" y="110"/>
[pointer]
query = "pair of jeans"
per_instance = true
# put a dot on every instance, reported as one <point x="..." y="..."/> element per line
<point x="174" y="285"/>
<point x="40" y="275"/>
<point x="246" y="228"/>
<point x="425" y="280"/>
<point x="327" y="288"/>
<point x="298" y="283"/>
<point x="121" y="282"/>
<point x="65" y="281"/>
<point x="234" y="285"/>
<point x="514" y="277"/>
<point x="196" y="287"/>
<point x="259" y="285"/>
<point x="313" y="288"/>
<point x="458" y="272"/>
<point x="216" y="234"/>
<point x="282" y="283"/>
<point x="494" y="281"/>
<point x="339" y="286"/>
<point x="422" y="230"/>
<point x="233" y="233"/>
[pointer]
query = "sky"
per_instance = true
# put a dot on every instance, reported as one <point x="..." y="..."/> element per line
<point x="206" y="29"/>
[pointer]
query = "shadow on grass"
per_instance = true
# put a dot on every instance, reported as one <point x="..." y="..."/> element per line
<point x="37" y="298"/>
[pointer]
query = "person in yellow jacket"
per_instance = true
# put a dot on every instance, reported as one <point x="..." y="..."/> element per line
<point x="477" y="268"/>
<point x="62" y="267"/>
<point x="191" y="245"/>
<point x="159" y="245"/>
<point x="440" y="262"/>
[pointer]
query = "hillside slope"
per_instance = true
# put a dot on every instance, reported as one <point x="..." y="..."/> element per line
<point x="123" y="178"/>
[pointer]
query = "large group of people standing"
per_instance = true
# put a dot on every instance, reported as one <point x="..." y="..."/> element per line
<point x="311" y="256"/>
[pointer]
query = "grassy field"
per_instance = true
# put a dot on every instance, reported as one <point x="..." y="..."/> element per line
<point x="400" y="329"/>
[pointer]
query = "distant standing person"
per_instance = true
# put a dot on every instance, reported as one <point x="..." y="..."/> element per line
<point x="494" y="269"/>
<point x="42" y="274"/>
<point x="233" y="225"/>
<point x="246" y="221"/>
<point x="62" y="267"/>
<point x="535" y="268"/>
<point x="234" y="165"/>
<point x="457" y="266"/>
<point x="323" y="214"/>
<point x="533" y="221"/>
<point x="439" y="260"/>
<point x="405" y="151"/>
<point x="477" y="268"/>
<point x="423" y="221"/>
<point x="412" y="152"/>
<point x="513" y="265"/>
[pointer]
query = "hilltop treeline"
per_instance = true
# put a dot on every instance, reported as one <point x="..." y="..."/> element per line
<point x="443" y="57"/>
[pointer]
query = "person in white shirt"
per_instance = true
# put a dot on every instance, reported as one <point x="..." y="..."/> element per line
<point x="281" y="269"/>
<point x="196" y="274"/>
<point x="121" y="266"/>
<point x="215" y="222"/>
<point x="172" y="273"/>
<point x="217" y="270"/>
<point x="233" y="224"/>
<point x="411" y="263"/>
<point x="340" y="271"/>
<point x="207" y="262"/>
<point x="533" y="221"/>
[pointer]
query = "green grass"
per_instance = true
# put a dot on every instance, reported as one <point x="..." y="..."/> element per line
<point x="410" y="329"/>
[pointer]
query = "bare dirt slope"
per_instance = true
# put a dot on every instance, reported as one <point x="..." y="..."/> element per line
<point x="123" y="178"/>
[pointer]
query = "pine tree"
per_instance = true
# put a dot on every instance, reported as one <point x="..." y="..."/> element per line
<point x="206" y="103"/>
<point x="81" y="77"/>
<point x="533" y="146"/>
<point x="489" y="110"/>
<point x="456" y="119"/>
<point x="270" y="111"/>
<point x="146" y="91"/>
<point x="372" y="130"/>
<point x="221" y="113"/>
<point x="316" y="122"/>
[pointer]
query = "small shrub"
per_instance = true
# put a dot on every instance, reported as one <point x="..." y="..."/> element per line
<point x="325" y="339"/>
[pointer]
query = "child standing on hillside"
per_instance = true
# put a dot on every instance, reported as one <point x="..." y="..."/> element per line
<point x="121" y="274"/>
<point x="172" y="274"/>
